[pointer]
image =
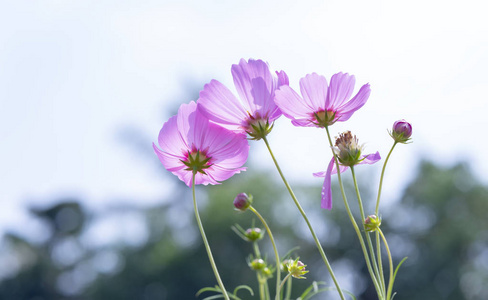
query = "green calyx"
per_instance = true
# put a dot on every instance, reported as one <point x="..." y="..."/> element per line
<point x="259" y="128"/>
<point x="324" y="118"/>
<point x="197" y="162"/>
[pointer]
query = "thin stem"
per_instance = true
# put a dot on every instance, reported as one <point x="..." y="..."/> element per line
<point x="277" y="256"/>
<point x="283" y="282"/>
<point x="381" y="179"/>
<point x="380" y="263"/>
<point x="207" y="247"/>
<point x="353" y="221"/>
<point x="368" y="238"/>
<point x="319" y="247"/>
<point x="288" y="288"/>
<point x="390" y="281"/>
<point x="261" y="287"/>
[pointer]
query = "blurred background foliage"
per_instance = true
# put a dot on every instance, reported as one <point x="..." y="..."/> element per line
<point x="439" y="224"/>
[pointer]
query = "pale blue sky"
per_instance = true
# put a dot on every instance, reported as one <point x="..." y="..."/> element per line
<point x="73" y="73"/>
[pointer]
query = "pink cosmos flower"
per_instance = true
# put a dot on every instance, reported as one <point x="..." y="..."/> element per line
<point x="255" y="109"/>
<point x="189" y="141"/>
<point x="321" y="105"/>
<point x="332" y="169"/>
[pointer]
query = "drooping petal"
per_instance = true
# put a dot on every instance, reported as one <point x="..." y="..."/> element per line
<point x="370" y="158"/>
<point x="282" y="78"/>
<point x="314" y="91"/>
<point x="340" y="89"/>
<point x="243" y="75"/>
<point x="326" y="188"/>
<point x="326" y="201"/>
<point x="348" y="109"/>
<point x="218" y="104"/>
<point x="293" y="106"/>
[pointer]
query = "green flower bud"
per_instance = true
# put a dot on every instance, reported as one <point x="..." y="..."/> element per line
<point x="254" y="234"/>
<point x="296" y="268"/>
<point x="372" y="223"/>
<point x="257" y="264"/>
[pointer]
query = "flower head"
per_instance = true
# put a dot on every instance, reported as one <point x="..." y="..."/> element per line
<point x="401" y="132"/>
<point x="189" y="143"/>
<point x="296" y="268"/>
<point x="349" y="154"/>
<point x="321" y="105"/>
<point x="254" y="234"/>
<point x="255" y="111"/>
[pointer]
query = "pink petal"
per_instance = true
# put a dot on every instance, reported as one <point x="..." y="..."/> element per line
<point x="340" y="89"/>
<point x="170" y="139"/>
<point x="371" y="158"/>
<point x="243" y="75"/>
<point x="314" y="91"/>
<point x="282" y="78"/>
<point x="218" y="104"/>
<point x="326" y="188"/>
<point x="292" y="105"/>
<point x="348" y="109"/>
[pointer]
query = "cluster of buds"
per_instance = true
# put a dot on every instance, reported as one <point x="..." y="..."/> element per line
<point x="242" y="201"/>
<point x="295" y="268"/>
<point x="259" y="265"/>
<point x="401" y="132"/>
<point x="372" y="223"/>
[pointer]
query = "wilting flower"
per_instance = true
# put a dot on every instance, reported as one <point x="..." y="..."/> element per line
<point x="321" y="105"/>
<point x="255" y="111"/>
<point x="189" y="143"/>
<point x="349" y="154"/>
<point x="401" y="132"/>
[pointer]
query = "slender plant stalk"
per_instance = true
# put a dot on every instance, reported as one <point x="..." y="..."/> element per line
<point x="288" y="289"/>
<point x="378" y="241"/>
<point x="353" y="221"/>
<point x="283" y="282"/>
<point x="381" y="179"/>
<point x="204" y="237"/>
<point x="368" y="238"/>
<point x="390" y="281"/>
<point x="277" y="256"/>
<point x="319" y="247"/>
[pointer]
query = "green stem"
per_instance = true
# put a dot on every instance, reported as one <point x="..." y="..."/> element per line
<point x="319" y="247"/>
<point x="390" y="281"/>
<point x="288" y="288"/>
<point x="353" y="221"/>
<point x="277" y="256"/>
<point x="368" y="238"/>
<point x="283" y="282"/>
<point x="380" y="263"/>
<point x="381" y="179"/>
<point x="261" y="287"/>
<point x="204" y="237"/>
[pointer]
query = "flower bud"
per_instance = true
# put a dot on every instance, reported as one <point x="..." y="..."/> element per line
<point x="267" y="272"/>
<point x="296" y="268"/>
<point x="257" y="264"/>
<point x="254" y="234"/>
<point x="372" y="223"/>
<point x="242" y="201"/>
<point x="401" y="132"/>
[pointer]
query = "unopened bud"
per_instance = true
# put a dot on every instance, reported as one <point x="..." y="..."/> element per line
<point x="257" y="264"/>
<point x="401" y="132"/>
<point x="372" y="223"/>
<point x="254" y="234"/>
<point x="242" y="201"/>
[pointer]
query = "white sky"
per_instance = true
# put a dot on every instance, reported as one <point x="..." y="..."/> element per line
<point x="73" y="73"/>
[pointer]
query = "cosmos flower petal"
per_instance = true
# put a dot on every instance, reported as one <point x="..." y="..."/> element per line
<point x="221" y="174"/>
<point x="340" y="89"/>
<point x="370" y="158"/>
<point x="348" y="109"/>
<point x="326" y="201"/>
<point x="251" y="75"/>
<point x="292" y="105"/>
<point x="170" y="140"/>
<point x="282" y="78"/>
<point x="314" y="91"/>
<point x="218" y="104"/>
